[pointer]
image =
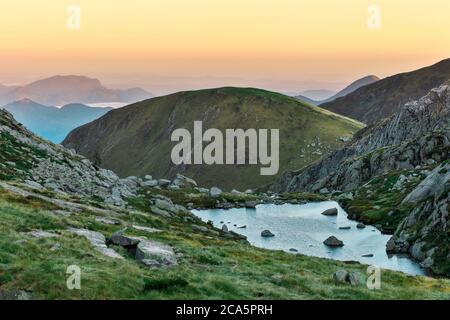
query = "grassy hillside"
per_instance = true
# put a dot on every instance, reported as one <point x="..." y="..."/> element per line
<point x="135" y="140"/>
<point x="210" y="266"/>
<point x="384" y="97"/>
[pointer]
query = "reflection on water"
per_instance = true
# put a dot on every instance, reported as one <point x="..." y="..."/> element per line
<point x="304" y="228"/>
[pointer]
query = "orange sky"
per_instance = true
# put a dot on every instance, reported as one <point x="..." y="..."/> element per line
<point x="168" y="45"/>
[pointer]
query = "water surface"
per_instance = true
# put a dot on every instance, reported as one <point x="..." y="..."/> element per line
<point x="304" y="228"/>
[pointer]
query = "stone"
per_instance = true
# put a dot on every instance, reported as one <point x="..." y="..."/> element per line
<point x="34" y="185"/>
<point x="184" y="182"/>
<point x="340" y="276"/>
<point x="267" y="233"/>
<point x="330" y="212"/>
<point x="155" y="254"/>
<point x="251" y="204"/>
<point x="345" y="228"/>
<point x="354" y="278"/>
<point x="360" y="225"/>
<point x="150" y="183"/>
<point x="55" y="247"/>
<point x="224" y="228"/>
<point x="146" y="229"/>
<point x="369" y="255"/>
<point x="242" y="227"/>
<point x="98" y="241"/>
<point x="163" y="182"/>
<point x="42" y="234"/>
<point x="119" y="239"/>
<point x="332" y="241"/>
<point x="107" y="221"/>
<point x="215" y="192"/>
<point x="293" y="250"/>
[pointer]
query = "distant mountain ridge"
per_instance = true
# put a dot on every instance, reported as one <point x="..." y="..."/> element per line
<point x="383" y="98"/>
<point x="50" y="122"/>
<point x="61" y="90"/>
<point x="304" y="96"/>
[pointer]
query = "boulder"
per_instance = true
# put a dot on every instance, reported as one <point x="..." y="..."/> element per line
<point x="333" y="242"/>
<point x="224" y="228"/>
<point x="215" y="192"/>
<point x="251" y="204"/>
<point x="163" y="182"/>
<point x="354" y="278"/>
<point x="267" y="233"/>
<point x="119" y="239"/>
<point x="330" y="212"/>
<point x="98" y="241"/>
<point x="184" y="182"/>
<point x="155" y="254"/>
<point x="360" y="225"/>
<point x="150" y="183"/>
<point x="340" y="276"/>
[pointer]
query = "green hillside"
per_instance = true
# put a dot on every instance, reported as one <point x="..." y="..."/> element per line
<point x="135" y="140"/>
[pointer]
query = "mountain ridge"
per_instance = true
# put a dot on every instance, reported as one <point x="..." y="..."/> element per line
<point x="63" y="89"/>
<point x="148" y="124"/>
<point x="384" y="97"/>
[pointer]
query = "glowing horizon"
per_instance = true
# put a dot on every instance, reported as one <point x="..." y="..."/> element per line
<point x="165" y="46"/>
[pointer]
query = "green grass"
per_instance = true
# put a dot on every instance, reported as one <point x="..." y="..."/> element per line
<point x="378" y="204"/>
<point x="209" y="267"/>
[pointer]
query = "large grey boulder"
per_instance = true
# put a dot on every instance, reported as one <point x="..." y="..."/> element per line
<point x="98" y="241"/>
<point x="155" y="254"/>
<point x="433" y="185"/>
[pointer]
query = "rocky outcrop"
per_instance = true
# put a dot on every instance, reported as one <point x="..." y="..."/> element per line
<point x="53" y="167"/>
<point x="417" y="134"/>
<point x="425" y="233"/>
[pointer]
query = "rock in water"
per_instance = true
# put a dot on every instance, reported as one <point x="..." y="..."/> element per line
<point x="224" y="228"/>
<point x="330" y="212"/>
<point x="267" y="233"/>
<point x="333" y="242"/>
<point x="360" y="225"/>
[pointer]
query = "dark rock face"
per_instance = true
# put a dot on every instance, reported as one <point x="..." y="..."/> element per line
<point x="430" y="243"/>
<point x="417" y="134"/>
<point x="333" y="242"/>
<point x="267" y="234"/>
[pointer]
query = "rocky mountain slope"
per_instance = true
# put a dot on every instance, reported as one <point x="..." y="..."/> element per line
<point x="135" y="139"/>
<point x="53" y="123"/>
<point x="385" y="97"/>
<point x="347" y="90"/>
<point x="390" y="158"/>
<point x="135" y="239"/>
<point x="61" y="90"/>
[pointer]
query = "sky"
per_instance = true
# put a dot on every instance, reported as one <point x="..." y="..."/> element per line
<point x="171" y="45"/>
